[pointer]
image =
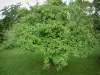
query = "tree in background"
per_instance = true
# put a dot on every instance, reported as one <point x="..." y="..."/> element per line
<point x="96" y="20"/>
<point x="96" y="16"/>
<point x="10" y="17"/>
<point x="11" y="14"/>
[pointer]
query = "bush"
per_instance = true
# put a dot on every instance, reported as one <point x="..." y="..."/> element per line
<point x="59" y="31"/>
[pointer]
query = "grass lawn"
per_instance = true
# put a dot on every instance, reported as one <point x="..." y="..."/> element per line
<point x="15" y="62"/>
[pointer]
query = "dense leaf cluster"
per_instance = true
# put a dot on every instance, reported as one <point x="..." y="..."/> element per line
<point x="96" y="16"/>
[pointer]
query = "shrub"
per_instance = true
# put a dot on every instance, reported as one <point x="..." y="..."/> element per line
<point x="57" y="30"/>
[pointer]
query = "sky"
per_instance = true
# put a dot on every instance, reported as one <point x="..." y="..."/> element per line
<point x="4" y="3"/>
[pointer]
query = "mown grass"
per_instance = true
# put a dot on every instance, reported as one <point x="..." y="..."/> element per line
<point x="16" y="62"/>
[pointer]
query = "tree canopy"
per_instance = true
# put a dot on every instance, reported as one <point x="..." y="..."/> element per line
<point x="11" y="14"/>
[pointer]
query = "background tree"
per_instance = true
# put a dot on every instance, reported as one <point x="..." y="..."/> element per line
<point x="96" y="20"/>
<point x="96" y="16"/>
<point x="11" y="14"/>
<point x="10" y="17"/>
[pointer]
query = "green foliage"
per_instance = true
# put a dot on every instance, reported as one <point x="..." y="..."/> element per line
<point x="96" y="19"/>
<point x="79" y="1"/>
<point x="55" y="2"/>
<point x="58" y="31"/>
<point x="97" y="4"/>
<point x="11" y="14"/>
<point x="10" y="17"/>
<point x="96" y="16"/>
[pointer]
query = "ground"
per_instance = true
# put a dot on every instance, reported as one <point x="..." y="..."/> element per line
<point x="17" y="62"/>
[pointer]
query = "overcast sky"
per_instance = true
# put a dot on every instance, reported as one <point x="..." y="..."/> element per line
<point x="23" y="2"/>
<point x="31" y="2"/>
